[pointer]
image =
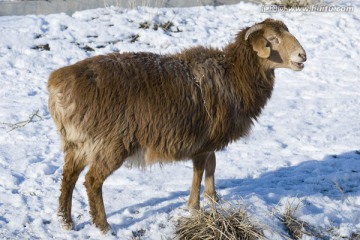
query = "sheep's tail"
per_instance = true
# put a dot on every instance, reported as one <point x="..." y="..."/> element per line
<point x="56" y="104"/>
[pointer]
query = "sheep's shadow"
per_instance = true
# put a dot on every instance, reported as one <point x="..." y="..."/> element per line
<point x="336" y="176"/>
<point x="155" y="206"/>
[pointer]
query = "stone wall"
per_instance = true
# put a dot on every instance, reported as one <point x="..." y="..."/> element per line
<point x="11" y="7"/>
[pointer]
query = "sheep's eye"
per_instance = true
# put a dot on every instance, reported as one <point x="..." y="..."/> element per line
<point x="273" y="39"/>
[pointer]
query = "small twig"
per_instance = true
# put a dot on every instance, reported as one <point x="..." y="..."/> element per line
<point x="21" y="124"/>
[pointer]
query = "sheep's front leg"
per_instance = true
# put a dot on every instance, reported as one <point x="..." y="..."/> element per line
<point x="203" y="162"/>
<point x="199" y="162"/>
<point x="210" y="166"/>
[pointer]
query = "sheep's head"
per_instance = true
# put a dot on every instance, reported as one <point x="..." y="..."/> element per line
<point x="272" y="41"/>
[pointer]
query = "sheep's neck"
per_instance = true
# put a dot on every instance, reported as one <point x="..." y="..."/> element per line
<point x="251" y="79"/>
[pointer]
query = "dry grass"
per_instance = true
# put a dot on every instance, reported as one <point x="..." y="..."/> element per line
<point x="42" y="47"/>
<point x="228" y="222"/>
<point x="166" y="26"/>
<point x="220" y="222"/>
<point x="297" y="228"/>
<point x="293" y="226"/>
<point x="138" y="234"/>
<point x="355" y="236"/>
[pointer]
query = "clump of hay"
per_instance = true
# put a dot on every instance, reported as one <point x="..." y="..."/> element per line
<point x="219" y="222"/>
<point x="294" y="227"/>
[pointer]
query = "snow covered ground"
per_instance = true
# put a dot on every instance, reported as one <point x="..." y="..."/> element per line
<point x="303" y="149"/>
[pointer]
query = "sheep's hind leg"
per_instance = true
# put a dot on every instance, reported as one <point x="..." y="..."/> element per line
<point x="209" y="191"/>
<point x="71" y="171"/>
<point x="94" y="179"/>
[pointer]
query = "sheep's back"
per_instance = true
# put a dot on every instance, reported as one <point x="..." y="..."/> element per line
<point x="140" y="100"/>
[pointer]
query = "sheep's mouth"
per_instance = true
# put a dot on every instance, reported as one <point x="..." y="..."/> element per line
<point x="298" y="65"/>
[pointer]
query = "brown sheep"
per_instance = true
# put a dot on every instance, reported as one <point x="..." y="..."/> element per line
<point x="145" y="108"/>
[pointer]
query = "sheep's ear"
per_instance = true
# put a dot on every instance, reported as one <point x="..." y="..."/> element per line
<point x="260" y="46"/>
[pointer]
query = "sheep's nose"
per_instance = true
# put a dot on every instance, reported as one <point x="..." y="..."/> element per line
<point x="303" y="56"/>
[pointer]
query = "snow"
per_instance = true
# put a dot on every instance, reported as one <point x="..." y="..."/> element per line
<point x="303" y="149"/>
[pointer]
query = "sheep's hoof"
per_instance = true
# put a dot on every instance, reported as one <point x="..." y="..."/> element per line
<point x="104" y="228"/>
<point x="65" y="224"/>
<point x="212" y="198"/>
<point x="193" y="205"/>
